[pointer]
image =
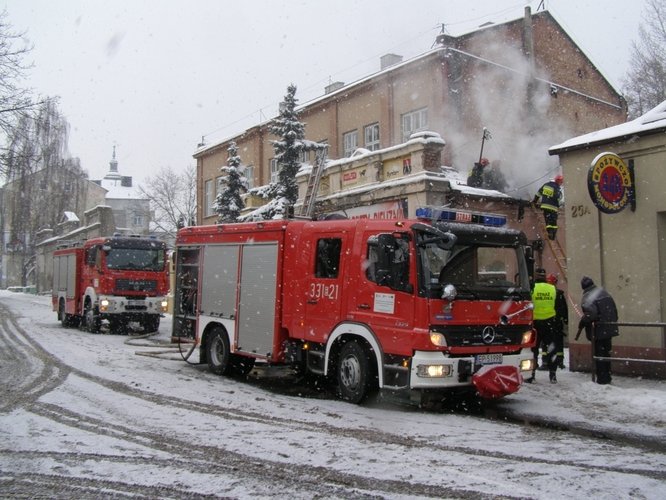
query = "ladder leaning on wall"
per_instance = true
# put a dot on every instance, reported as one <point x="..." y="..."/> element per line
<point x="307" y="208"/>
<point x="556" y="249"/>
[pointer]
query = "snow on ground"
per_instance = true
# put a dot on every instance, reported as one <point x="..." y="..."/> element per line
<point x="109" y="409"/>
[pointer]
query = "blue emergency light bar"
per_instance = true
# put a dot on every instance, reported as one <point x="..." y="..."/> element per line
<point x="437" y="214"/>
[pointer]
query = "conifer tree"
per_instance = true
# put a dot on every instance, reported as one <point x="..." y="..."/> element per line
<point x="229" y="202"/>
<point x="289" y="147"/>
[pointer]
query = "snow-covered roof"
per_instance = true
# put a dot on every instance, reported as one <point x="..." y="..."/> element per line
<point x="69" y="217"/>
<point x="116" y="191"/>
<point x="652" y="122"/>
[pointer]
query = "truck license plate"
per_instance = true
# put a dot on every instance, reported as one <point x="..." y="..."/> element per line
<point x="136" y="302"/>
<point x="488" y="359"/>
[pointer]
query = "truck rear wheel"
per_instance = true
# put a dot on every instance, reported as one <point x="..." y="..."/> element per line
<point x="355" y="373"/>
<point x="63" y="316"/>
<point x="242" y="365"/>
<point x="217" y="352"/>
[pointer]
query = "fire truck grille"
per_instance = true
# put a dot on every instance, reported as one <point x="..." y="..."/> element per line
<point x="461" y="336"/>
<point x="136" y="285"/>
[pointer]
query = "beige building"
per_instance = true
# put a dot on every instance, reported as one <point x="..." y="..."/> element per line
<point x="616" y="221"/>
<point x="525" y="81"/>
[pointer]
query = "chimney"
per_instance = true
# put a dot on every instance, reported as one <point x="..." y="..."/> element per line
<point x="388" y="60"/>
<point x="332" y="87"/>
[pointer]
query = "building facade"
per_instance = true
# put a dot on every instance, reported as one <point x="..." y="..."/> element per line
<point x="34" y="204"/>
<point x="616" y="221"/>
<point x="525" y="80"/>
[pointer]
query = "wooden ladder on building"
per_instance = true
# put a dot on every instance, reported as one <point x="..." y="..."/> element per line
<point x="307" y="208"/>
<point x="555" y="247"/>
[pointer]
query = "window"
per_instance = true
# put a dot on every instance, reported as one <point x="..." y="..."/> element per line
<point x="91" y="256"/>
<point x="371" y="133"/>
<point x="274" y="170"/>
<point x="137" y="220"/>
<point x="209" y="196"/>
<point x="327" y="264"/>
<point x="248" y="172"/>
<point x="414" y="121"/>
<point x="387" y="261"/>
<point x="350" y="142"/>
<point x="304" y="156"/>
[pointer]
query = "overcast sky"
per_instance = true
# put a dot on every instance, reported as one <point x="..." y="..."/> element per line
<point x="154" y="76"/>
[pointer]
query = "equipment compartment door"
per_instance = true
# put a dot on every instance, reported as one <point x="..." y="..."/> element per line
<point x="257" y="299"/>
<point x="220" y="281"/>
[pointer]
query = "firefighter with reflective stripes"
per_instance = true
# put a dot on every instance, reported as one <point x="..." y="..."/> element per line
<point x="562" y="312"/>
<point x="549" y="199"/>
<point x="545" y="322"/>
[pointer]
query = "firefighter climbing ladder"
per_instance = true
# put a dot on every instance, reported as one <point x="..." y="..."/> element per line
<point x="313" y="182"/>
<point x="556" y="249"/>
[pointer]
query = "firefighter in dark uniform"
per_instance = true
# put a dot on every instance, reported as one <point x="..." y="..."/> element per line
<point x="545" y="322"/>
<point x="475" y="178"/>
<point x="549" y="199"/>
<point x="562" y="313"/>
<point x="600" y="323"/>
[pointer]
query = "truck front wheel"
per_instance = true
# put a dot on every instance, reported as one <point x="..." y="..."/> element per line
<point x="217" y="352"/>
<point x="355" y="373"/>
<point x="91" y="319"/>
<point x="150" y="323"/>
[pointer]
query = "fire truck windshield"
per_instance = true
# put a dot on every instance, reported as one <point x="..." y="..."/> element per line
<point x="491" y="272"/>
<point x="145" y="259"/>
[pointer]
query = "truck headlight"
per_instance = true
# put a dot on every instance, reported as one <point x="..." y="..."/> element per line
<point x="527" y="365"/>
<point x="104" y="304"/>
<point x="438" y="339"/>
<point x="433" y="371"/>
<point x="528" y="337"/>
<point x="164" y="305"/>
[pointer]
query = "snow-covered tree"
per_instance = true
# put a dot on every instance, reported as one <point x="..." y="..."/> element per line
<point x="229" y="202"/>
<point x="172" y="198"/>
<point x="288" y="147"/>
<point x="644" y="85"/>
<point x="41" y="181"/>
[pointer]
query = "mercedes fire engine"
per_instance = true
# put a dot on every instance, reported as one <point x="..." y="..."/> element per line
<point x="121" y="279"/>
<point x="436" y="304"/>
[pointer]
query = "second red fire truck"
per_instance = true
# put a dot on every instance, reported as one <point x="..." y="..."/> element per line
<point x="121" y="279"/>
<point x="431" y="305"/>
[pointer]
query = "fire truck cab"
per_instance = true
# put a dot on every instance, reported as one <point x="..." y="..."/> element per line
<point x="121" y="279"/>
<point x="434" y="304"/>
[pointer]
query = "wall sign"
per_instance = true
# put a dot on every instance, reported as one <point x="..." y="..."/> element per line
<point x="610" y="183"/>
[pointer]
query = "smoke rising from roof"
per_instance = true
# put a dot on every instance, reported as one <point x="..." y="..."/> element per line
<point x="522" y="128"/>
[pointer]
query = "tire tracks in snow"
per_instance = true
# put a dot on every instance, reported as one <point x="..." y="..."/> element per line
<point x="202" y="457"/>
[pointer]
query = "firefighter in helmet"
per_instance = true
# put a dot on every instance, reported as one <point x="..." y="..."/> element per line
<point x="545" y="322"/>
<point x="475" y="178"/>
<point x="562" y="314"/>
<point x="549" y="199"/>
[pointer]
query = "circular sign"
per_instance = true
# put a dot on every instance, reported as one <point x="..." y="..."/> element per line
<point x="609" y="183"/>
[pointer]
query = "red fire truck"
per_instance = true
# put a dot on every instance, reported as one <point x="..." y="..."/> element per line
<point x="120" y="279"/>
<point x="436" y="304"/>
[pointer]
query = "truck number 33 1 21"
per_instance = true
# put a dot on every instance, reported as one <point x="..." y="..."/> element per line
<point x="323" y="291"/>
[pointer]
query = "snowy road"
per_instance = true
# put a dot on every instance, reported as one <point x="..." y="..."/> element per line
<point x="84" y="416"/>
